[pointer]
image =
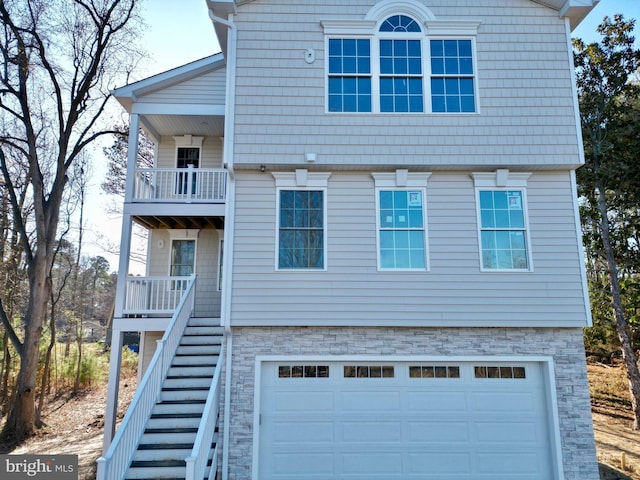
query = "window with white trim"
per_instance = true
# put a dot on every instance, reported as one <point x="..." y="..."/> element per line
<point x="401" y="209"/>
<point x="301" y="228"/>
<point x="502" y="220"/>
<point x="401" y="233"/>
<point x="400" y="58"/>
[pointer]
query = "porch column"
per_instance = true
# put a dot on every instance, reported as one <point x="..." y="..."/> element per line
<point x="117" y="340"/>
<point x="132" y="156"/>
<point x="125" y="237"/>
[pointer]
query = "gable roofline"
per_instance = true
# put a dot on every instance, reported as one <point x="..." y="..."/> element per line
<point x="574" y="10"/>
<point x="128" y="94"/>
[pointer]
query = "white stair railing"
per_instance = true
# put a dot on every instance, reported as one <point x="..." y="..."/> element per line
<point x="188" y="185"/>
<point x="197" y="460"/>
<point x="114" y="464"/>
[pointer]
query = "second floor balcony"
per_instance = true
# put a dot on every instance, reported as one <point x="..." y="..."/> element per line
<point x="179" y="185"/>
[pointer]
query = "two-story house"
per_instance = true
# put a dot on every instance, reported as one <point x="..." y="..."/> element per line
<point x="364" y="256"/>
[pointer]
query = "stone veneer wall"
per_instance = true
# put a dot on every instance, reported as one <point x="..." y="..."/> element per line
<point x="564" y="345"/>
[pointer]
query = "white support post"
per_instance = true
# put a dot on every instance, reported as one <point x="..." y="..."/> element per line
<point x="117" y="340"/>
<point x="132" y="156"/>
<point x="123" y="265"/>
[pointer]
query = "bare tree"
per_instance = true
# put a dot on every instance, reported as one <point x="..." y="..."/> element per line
<point x="58" y="60"/>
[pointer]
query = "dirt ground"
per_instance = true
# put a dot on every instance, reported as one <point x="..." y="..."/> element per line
<point x="74" y="426"/>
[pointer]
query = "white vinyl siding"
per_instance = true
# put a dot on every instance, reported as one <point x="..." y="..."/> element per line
<point x="207" y="244"/>
<point x="454" y="292"/>
<point x="208" y="88"/>
<point x="526" y="110"/>
<point x="210" y="153"/>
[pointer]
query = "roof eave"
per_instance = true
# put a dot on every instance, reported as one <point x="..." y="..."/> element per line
<point x="574" y="10"/>
<point x="128" y="94"/>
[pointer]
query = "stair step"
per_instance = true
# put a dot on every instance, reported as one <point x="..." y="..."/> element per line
<point x="199" y="339"/>
<point x="203" y="330"/>
<point x="191" y="370"/>
<point x="187" y="383"/>
<point x="182" y="394"/>
<point x="163" y="454"/>
<point x="172" y="408"/>
<point x="204" y="321"/>
<point x="172" y="422"/>
<point x="187" y="360"/>
<point x="165" y="446"/>
<point x="198" y="350"/>
<point x="163" y="438"/>
<point x="175" y="415"/>
<point x="140" y="472"/>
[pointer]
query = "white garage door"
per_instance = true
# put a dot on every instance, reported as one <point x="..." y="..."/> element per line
<point x="422" y="420"/>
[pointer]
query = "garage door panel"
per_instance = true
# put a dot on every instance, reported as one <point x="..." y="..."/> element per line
<point x="503" y="401"/>
<point x="291" y="401"/>
<point x="371" y="463"/>
<point x="438" y="432"/>
<point x="516" y="431"/>
<point x="441" y="401"/>
<point x="361" y="401"/>
<point x="371" y="432"/>
<point x="510" y="462"/>
<point x="311" y="465"/>
<point x="438" y="464"/>
<point x="314" y="432"/>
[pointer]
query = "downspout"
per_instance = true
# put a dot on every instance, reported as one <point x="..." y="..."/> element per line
<point x="228" y="151"/>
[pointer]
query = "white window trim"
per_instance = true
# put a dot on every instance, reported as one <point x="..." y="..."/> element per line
<point x="302" y="180"/>
<point x="177" y="236"/>
<point x="402" y="180"/>
<point x="432" y="29"/>
<point x="188" y="141"/>
<point x="503" y="179"/>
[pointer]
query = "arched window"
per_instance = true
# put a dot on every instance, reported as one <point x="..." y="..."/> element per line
<point x="401" y="82"/>
<point x="400" y="59"/>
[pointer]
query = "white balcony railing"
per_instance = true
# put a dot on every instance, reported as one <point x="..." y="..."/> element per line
<point x="180" y="185"/>
<point x="153" y="295"/>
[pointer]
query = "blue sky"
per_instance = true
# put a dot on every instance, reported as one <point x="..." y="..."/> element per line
<point x="179" y="32"/>
<point x="587" y="29"/>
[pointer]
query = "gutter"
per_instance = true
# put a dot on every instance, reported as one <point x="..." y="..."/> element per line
<point x="228" y="151"/>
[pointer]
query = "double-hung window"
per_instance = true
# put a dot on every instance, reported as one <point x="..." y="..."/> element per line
<point x="349" y="75"/>
<point x="401" y="63"/>
<point x="452" y="88"/>
<point x="301" y="210"/>
<point x="502" y="221"/>
<point x="401" y="209"/>
<point x="402" y="236"/>
<point x="301" y="229"/>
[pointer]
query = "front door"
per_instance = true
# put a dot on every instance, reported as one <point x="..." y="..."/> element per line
<point x="187" y="156"/>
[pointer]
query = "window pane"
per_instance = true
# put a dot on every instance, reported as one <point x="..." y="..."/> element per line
<point x="437" y="48"/>
<point x="402" y="236"/>
<point x="502" y="236"/>
<point x="452" y="59"/>
<point x="301" y="235"/>
<point x="349" y="47"/>
<point x="401" y="86"/>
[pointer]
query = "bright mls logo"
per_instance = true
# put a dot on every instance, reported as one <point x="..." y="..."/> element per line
<point x="46" y="467"/>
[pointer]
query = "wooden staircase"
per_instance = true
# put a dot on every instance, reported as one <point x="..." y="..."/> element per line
<point x="171" y="430"/>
